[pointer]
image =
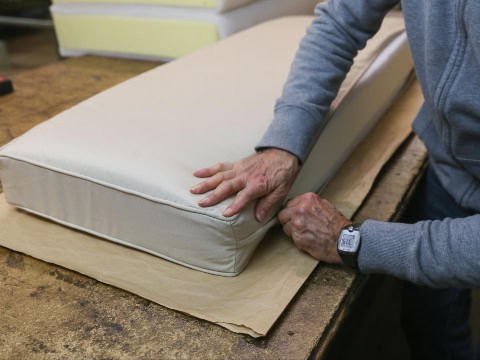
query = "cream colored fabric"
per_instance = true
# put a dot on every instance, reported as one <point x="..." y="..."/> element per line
<point x="252" y="301"/>
<point x="120" y="164"/>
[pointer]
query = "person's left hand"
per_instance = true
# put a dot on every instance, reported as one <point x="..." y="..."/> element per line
<point x="314" y="224"/>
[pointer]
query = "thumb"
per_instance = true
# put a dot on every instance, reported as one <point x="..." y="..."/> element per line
<point x="266" y="204"/>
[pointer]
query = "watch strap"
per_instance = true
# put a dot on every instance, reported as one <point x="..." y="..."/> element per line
<point x="350" y="258"/>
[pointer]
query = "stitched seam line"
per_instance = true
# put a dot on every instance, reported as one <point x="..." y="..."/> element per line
<point x="443" y="100"/>
<point x="467" y="159"/>
<point x="113" y="187"/>
<point x="236" y="247"/>
<point x="470" y="190"/>
<point x="459" y="50"/>
<point x="439" y="94"/>
<point x="453" y="75"/>
<point x="118" y="241"/>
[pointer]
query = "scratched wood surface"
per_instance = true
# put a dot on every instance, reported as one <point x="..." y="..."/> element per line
<point x="48" y="312"/>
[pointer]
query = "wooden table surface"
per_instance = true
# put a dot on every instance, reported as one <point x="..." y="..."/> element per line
<point x="48" y="312"/>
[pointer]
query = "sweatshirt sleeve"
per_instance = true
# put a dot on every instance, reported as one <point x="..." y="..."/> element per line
<point x="433" y="253"/>
<point x="326" y="53"/>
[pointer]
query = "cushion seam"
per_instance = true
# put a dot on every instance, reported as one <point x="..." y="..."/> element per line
<point x="236" y="247"/>
<point x="113" y="239"/>
<point x="115" y="187"/>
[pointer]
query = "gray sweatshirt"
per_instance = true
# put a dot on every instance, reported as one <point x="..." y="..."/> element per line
<point x="444" y="36"/>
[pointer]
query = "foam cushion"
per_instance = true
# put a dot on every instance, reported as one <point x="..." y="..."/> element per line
<point x="119" y="165"/>
<point x="219" y="5"/>
<point x="152" y="31"/>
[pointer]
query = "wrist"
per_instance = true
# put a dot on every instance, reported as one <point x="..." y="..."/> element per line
<point x="336" y="259"/>
<point x="348" y="244"/>
<point x="294" y="159"/>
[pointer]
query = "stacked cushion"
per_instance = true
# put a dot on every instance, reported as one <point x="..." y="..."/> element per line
<point x="159" y="29"/>
<point x="219" y="5"/>
<point x="119" y="165"/>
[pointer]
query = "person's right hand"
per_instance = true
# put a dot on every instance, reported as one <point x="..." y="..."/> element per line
<point x="266" y="176"/>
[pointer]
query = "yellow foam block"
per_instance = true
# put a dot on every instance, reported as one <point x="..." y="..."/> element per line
<point x="189" y="3"/>
<point x="154" y="37"/>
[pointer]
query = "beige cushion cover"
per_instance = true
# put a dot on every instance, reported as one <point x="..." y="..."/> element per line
<point x="120" y="164"/>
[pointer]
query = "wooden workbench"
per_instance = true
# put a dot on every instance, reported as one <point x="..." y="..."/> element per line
<point x="48" y="312"/>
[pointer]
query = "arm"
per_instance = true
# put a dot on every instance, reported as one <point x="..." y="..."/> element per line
<point x="433" y="253"/>
<point x="326" y="53"/>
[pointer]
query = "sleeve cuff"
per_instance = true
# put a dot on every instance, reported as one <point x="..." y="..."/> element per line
<point x="293" y="129"/>
<point x="385" y="248"/>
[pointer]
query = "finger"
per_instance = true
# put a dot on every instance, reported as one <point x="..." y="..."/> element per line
<point x="285" y="216"/>
<point x="212" y="182"/>
<point x="266" y="204"/>
<point x="212" y="170"/>
<point x="243" y="198"/>
<point x="309" y="197"/>
<point x="287" y="229"/>
<point x="294" y="201"/>
<point x="299" y="224"/>
<point x="302" y="241"/>
<point x="223" y="191"/>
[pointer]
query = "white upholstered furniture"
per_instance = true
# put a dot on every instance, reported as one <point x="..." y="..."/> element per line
<point x="162" y="29"/>
<point x="119" y="165"/>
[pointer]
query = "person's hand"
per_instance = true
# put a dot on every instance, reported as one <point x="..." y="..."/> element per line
<point x="314" y="224"/>
<point x="267" y="176"/>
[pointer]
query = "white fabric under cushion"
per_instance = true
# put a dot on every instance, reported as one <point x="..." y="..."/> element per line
<point x="120" y="29"/>
<point x="120" y="164"/>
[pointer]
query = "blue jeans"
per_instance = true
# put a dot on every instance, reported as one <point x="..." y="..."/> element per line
<point x="436" y="321"/>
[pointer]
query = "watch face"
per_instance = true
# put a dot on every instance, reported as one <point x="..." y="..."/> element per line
<point x="349" y="241"/>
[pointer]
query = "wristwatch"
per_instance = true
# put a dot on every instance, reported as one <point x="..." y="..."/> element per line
<point x="348" y="245"/>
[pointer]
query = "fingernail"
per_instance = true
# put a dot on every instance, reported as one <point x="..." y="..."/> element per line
<point x="227" y="212"/>
<point x="260" y="215"/>
<point x="194" y="188"/>
<point x="204" y="201"/>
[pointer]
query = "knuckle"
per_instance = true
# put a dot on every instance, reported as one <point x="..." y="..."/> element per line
<point x="310" y="196"/>
<point x="298" y="223"/>
<point x="229" y="186"/>
<point x="260" y="182"/>
<point x="301" y="210"/>
<point x="241" y="199"/>
<point x="229" y="174"/>
<point x="208" y="185"/>
<point x="211" y="182"/>
<point x="216" y="167"/>
<point x="201" y="186"/>
<point x="254" y="189"/>
<point x="237" y="184"/>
